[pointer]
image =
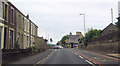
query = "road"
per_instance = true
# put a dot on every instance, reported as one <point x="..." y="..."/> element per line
<point x="63" y="56"/>
<point x="76" y="56"/>
<point x="68" y="56"/>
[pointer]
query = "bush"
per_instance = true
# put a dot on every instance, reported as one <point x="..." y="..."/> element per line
<point x="33" y="49"/>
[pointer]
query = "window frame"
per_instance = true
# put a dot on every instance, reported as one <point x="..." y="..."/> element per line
<point x="6" y="15"/>
<point x="12" y="14"/>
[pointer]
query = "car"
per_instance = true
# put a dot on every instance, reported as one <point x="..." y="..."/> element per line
<point x="58" y="47"/>
<point x="55" y="47"/>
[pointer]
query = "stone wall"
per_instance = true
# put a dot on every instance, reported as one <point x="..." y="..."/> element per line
<point x="108" y="43"/>
<point x="40" y="43"/>
<point x="9" y="55"/>
<point x="111" y="47"/>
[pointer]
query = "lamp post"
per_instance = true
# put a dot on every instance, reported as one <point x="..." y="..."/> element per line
<point x="84" y="23"/>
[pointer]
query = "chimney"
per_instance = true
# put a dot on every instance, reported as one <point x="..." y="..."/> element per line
<point x="27" y="16"/>
<point x="78" y="33"/>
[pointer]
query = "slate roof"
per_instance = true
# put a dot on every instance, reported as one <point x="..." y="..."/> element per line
<point x="110" y="25"/>
<point x="73" y="38"/>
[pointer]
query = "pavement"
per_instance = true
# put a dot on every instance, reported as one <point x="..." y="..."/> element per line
<point x="114" y="55"/>
<point x="98" y="57"/>
<point x="33" y="59"/>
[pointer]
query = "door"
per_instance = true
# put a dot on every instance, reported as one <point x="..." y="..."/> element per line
<point x="5" y="36"/>
<point x="72" y="46"/>
<point x="10" y="39"/>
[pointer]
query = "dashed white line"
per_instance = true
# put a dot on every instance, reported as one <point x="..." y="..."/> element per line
<point x="81" y="57"/>
<point x="44" y="58"/>
<point x="89" y="62"/>
<point x="75" y="53"/>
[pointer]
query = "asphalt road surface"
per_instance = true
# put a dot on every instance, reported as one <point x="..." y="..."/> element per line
<point x="76" y="56"/>
<point x="63" y="56"/>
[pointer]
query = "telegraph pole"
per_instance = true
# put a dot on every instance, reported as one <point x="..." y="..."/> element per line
<point x="84" y="22"/>
<point x="112" y="15"/>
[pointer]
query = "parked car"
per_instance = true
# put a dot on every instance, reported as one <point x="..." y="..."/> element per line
<point x="55" y="47"/>
<point x="58" y="47"/>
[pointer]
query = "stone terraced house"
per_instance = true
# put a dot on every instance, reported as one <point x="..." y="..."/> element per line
<point x="17" y="31"/>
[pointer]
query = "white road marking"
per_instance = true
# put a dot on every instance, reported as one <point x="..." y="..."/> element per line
<point x="81" y="57"/>
<point x="44" y="58"/>
<point x="75" y="53"/>
<point x="55" y="49"/>
<point x="89" y="62"/>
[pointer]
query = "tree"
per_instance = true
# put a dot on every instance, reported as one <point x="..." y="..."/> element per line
<point x="58" y="43"/>
<point x="63" y="39"/>
<point x="46" y="40"/>
<point x="92" y="34"/>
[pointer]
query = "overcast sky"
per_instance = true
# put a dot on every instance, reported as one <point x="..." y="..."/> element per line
<point x="60" y="17"/>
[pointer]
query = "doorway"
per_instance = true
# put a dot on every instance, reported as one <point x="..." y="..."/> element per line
<point x="5" y="36"/>
<point x="0" y="35"/>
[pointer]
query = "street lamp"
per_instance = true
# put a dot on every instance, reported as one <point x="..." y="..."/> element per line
<point x="84" y="23"/>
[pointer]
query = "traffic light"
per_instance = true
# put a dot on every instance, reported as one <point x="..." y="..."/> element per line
<point x="51" y="40"/>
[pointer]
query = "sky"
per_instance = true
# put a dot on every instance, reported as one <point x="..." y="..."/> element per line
<point x="56" y="18"/>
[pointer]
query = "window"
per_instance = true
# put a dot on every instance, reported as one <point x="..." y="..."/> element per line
<point x="1" y="9"/>
<point x="19" y="24"/>
<point x="6" y="11"/>
<point x="23" y="24"/>
<point x="27" y="41"/>
<point x="18" y="38"/>
<point x="0" y="4"/>
<point x="28" y="26"/>
<point x="12" y="16"/>
<point x="10" y="39"/>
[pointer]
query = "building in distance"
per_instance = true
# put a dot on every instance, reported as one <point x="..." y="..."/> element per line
<point x="73" y="39"/>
